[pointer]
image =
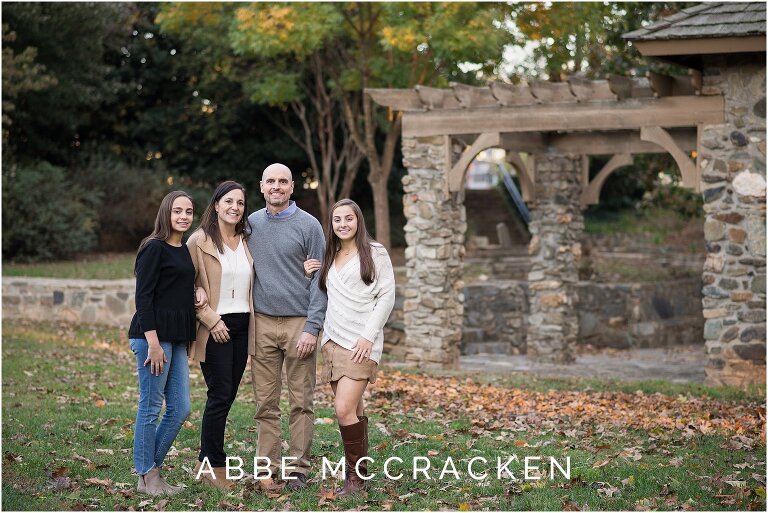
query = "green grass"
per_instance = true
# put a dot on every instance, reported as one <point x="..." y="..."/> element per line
<point x="69" y="398"/>
<point x="655" y="225"/>
<point x="106" y="266"/>
<point x="619" y="271"/>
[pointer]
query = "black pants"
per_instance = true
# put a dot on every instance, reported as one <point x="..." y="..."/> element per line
<point x="223" y="369"/>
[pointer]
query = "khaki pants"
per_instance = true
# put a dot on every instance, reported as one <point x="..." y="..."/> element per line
<point x="276" y="339"/>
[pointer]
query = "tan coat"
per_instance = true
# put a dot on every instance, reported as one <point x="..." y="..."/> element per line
<point x="205" y="257"/>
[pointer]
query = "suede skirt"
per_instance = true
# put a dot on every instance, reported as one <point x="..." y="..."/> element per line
<point x="337" y="362"/>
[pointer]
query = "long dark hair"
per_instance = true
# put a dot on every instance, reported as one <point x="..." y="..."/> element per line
<point x="363" y="242"/>
<point x="163" y="229"/>
<point x="209" y="222"/>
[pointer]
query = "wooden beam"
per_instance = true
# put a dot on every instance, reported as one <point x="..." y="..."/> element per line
<point x="687" y="167"/>
<point x="703" y="46"/>
<point x="525" y="172"/>
<point x="590" y="195"/>
<point x="435" y="98"/>
<point x="696" y="82"/>
<point x="628" y="87"/>
<point x="584" y="171"/>
<point x="509" y="94"/>
<point x="608" y="143"/>
<point x="526" y="142"/>
<point x="457" y="172"/>
<point x="550" y="92"/>
<point x="666" y="85"/>
<point x="471" y="96"/>
<point x="396" y="99"/>
<point x="590" y="90"/>
<point x="673" y="111"/>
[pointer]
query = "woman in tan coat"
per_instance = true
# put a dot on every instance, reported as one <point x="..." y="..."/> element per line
<point x="225" y="331"/>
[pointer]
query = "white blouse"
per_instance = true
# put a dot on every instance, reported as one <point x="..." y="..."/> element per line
<point x="235" y="278"/>
<point x="358" y="310"/>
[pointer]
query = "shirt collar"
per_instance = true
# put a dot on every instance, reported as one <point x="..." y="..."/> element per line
<point x="284" y="213"/>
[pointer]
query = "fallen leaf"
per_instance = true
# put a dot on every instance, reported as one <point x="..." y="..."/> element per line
<point x="77" y="457"/>
<point x="326" y="493"/>
<point x="95" y="481"/>
<point x="12" y="457"/>
<point x="61" y="483"/>
<point x="198" y="504"/>
<point x="59" y="472"/>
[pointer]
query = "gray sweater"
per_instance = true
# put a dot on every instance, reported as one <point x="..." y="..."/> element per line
<point x="279" y="247"/>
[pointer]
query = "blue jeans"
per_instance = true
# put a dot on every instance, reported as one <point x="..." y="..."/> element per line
<point x="150" y="441"/>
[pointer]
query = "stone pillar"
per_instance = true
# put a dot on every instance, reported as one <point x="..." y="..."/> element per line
<point x="436" y="223"/>
<point x="733" y="183"/>
<point x="556" y="227"/>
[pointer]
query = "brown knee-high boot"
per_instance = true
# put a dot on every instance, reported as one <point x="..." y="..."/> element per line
<point x="355" y="447"/>
<point x="364" y="464"/>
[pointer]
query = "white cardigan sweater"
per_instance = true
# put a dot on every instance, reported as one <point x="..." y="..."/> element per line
<point x="358" y="310"/>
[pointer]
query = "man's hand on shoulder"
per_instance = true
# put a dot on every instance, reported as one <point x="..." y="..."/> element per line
<point x="306" y="344"/>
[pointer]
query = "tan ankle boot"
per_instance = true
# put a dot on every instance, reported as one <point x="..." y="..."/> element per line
<point x="152" y="483"/>
<point x="172" y="490"/>
<point x="219" y="479"/>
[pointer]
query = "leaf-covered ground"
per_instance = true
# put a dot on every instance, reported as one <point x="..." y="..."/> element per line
<point x="69" y="399"/>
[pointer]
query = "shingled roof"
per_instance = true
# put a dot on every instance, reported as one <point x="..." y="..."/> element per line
<point x="707" y="20"/>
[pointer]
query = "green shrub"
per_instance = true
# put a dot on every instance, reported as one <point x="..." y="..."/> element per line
<point x="126" y="198"/>
<point x="45" y="214"/>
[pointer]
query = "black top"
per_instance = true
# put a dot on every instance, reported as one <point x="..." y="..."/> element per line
<point x="165" y="293"/>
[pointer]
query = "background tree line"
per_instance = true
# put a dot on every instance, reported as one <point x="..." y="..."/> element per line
<point x="107" y="106"/>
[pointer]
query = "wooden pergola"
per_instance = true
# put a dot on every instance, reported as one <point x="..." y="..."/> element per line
<point x="711" y="120"/>
<point x="620" y="116"/>
<point x="550" y="131"/>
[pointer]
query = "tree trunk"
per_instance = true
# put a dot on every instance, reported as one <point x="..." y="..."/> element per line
<point x="378" y="183"/>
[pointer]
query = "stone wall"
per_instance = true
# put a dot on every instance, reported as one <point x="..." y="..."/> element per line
<point x="495" y="320"/>
<point x="640" y="315"/>
<point x="556" y="227"/>
<point x="436" y="223"/>
<point x="495" y="317"/>
<point x="621" y="316"/>
<point x="108" y="302"/>
<point x="733" y="181"/>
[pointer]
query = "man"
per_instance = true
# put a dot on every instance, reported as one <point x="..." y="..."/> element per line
<point x="290" y="310"/>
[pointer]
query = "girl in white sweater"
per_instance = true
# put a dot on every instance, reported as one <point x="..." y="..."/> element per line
<point x="357" y="275"/>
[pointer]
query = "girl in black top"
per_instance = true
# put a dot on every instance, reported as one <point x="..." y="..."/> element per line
<point x="160" y="332"/>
